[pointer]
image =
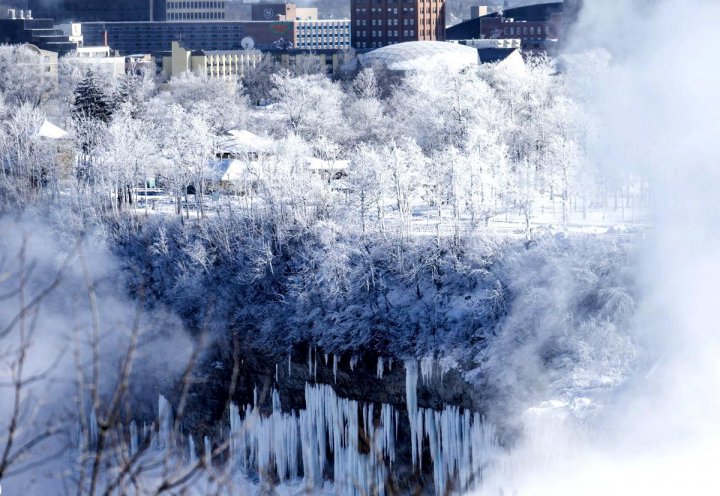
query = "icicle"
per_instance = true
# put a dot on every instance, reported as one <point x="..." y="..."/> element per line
<point x="93" y="430"/>
<point x="326" y="359"/>
<point x="380" y="368"/>
<point x="335" y="366"/>
<point x="426" y="369"/>
<point x="133" y="438"/>
<point x="276" y="374"/>
<point x="235" y="431"/>
<point x="315" y="367"/>
<point x="80" y="438"/>
<point x="310" y="362"/>
<point x="192" y="456"/>
<point x="164" y="423"/>
<point x="289" y="364"/>
<point x="208" y="452"/>
<point x="411" y="378"/>
<point x="328" y="431"/>
<point x="390" y="364"/>
<point x="353" y="362"/>
<point x="276" y="407"/>
<point x="255" y="397"/>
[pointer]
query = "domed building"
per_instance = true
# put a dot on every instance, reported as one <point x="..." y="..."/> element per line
<point x="422" y="55"/>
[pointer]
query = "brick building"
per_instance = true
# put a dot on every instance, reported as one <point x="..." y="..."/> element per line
<point x="378" y="23"/>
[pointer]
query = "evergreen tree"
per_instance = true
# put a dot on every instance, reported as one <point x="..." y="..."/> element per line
<point x="91" y="102"/>
<point x="128" y="94"/>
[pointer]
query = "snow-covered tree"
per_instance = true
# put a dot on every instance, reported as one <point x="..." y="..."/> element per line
<point x="257" y="81"/>
<point x="26" y="76"/>
<point x="91" y="100"/>
<point x="311" y="106"/>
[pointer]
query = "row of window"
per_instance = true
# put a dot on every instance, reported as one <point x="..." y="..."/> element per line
<point x="345" y="25"/>
<point x="195" y="5"/>
<point x="391" y="34"/>
<point x="169" y="37"/>
<point x="390" y="22"/>
<point x="315" y="29"/>
<point x="322" y="38"/>
<point x="374" y="44"/>
<point x="195" y="16"/>
<point x="167" y="28"/>
<point x="319" y="46"/>
<point x="511" y="31"/>
<point x="393" y="11"/>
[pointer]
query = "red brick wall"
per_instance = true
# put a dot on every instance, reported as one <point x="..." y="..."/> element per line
<point x="395" y="21"/>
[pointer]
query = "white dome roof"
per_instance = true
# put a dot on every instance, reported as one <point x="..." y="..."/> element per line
<point x="420" y="55"/>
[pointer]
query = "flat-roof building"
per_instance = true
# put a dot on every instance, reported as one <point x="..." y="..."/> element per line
<point x="323" y="34"/>
<point x="38" y="32"/>
<point x="379" y="23"/>
<point x="99" y="10"/>
<point x="157" y="37"/>
<point x="540" y="27"/>
<point x="233" y="64"/>
<point x="129" y="10"/>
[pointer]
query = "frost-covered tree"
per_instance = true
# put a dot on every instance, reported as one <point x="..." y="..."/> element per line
<point x="26" y="76"/>
<point x="307" y="65"/>
<point x="257" y="81"/>
<point x="128" y="157"/>
<point x="28" y="159"/>
<point x="217" y="101"/>
<point x="134" y="89"/>
<point x="311" y="106"/>
<point x="91" y="100"/>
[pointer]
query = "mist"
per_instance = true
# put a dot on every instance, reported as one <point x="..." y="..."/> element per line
<point x="657" y="432"/>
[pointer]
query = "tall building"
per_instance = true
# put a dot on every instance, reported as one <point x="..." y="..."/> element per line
<point x="378" y="23"/>
<point x="156" y="37"/>
<point x="99" y="10"/>
<point x="128" y="10"/>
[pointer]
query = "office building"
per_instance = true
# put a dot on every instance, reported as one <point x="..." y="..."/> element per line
<point x="157" y="37"/>
<point x="129" y="10"/>
<point x="323" y="34"/>
<point x="233" y="64"/>
<point x="274" y="12"/>
<point x="378" y="23"/>
<point x="38" y="32"/>
<point x="182" y="10"/>
<point x="99" y="10"/>
<point x="540" y="27"/>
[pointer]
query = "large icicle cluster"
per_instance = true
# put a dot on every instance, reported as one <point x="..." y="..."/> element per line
<point x="331" y="432"/>
<point x="350" y="442"/>
<point x="461" y="444"/>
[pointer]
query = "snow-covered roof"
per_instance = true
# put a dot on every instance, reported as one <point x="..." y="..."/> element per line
<point x="51" y="131"/>
<point x="421" y="55"/>
<point x="228" y="170"/>
<point x="318" y="164"/>
<point x="243" y="141"/>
